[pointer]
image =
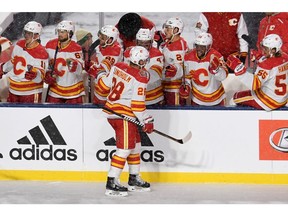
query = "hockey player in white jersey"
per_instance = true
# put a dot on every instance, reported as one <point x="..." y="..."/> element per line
<point x="28" y="64"/>
<point x="154" y="91"/>
<point x="268" y="85"/>
<point x="125" y="87"/>
<point x="108" y="53"/>
<point x="174" y="50"/>
<point x="205" y="70"/>
<point x="65" y="76"/>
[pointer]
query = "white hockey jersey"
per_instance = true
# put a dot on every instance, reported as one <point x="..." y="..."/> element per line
<point x="269" y="82"/>
<point x="68" y="84"/>
<point x="114" y="53"/>
<point x="174" y="54"/>
<point x="125" y="88"/>
<point x="207" y="88"/>
<point x="20" y="59"/>
<point x="154" y="91"/>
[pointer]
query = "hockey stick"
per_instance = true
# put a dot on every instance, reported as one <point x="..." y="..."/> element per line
<point x="91" y="50"/>
<point x="52" y="69"/>
<point x="181" y="141"/>
<point x="248" y="40"/>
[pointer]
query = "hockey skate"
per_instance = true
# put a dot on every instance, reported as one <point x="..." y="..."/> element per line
<point x="135" y="183"/>
<point x="114" y="188"/>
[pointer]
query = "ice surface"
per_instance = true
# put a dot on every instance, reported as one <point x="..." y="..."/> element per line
<point x="45" y="192"/>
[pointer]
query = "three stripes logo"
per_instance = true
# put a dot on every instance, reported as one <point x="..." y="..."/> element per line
<point x="41" y="149"/>
<point x="146" y="155"/>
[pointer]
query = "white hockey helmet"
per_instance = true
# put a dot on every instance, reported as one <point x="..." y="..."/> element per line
<point x="111" y="32"/>
<point x="34" y="27"/>
<point x="144" y="34"/>
<point x="139" y="56"/>
<point x="66" y="25"/>
<point x="175" y="23"/>
<point x="272" y="41"/>
<point x="204" y="39"/>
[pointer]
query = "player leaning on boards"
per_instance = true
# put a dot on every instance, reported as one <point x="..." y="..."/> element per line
<point x="268" y="85"/>
<point x="64" y="77"/>
<point x="126" y="84"/>
<point x="154" y="91"/>
<point x="174" y="50"/>
<point x="108" y="53"/>
<point x="205" y="70"/>
<point x="28" y="64"/>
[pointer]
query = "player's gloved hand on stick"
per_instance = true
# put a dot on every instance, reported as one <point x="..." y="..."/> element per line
<point x="148" y="125"/>
<point x="236" y="65"/>
<point x="184" y="91"/>
<point x="31" y="73"/>
<point x="88" y="64"/>
<point x="50" y="78"/>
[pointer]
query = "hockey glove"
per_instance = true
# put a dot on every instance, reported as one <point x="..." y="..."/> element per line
<point x="159" y="37"/>
<point x="214" y="64"/>
<point x="94" y="70"/>
<point x="50" y="78"/>
<point x="31" y="74"/>
<point x="72" y="64"/>
<point x="170" y="71"/>
<point x="255" y="55"/>
<point x="148" y="125"/>
<point x="88" y="64"/>
<point x="236" y="65"/>
<point x="184" y="91"/>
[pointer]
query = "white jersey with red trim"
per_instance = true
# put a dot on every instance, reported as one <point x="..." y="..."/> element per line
<point x="20" y="59"/>
<point x="174" y="53"/>
<point x="114" y="53"/>
<point x="207" y="88"/>
<point x="68" y="84"/>
<point x="269" y="82"/>
<point x="154" y="91"/>
<point x="125" y="88"/>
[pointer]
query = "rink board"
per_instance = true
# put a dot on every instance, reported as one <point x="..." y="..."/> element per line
<point x="75" y="143"/>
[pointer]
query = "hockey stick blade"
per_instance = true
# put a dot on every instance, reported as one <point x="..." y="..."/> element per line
<point x="187" y="137"/>
<point x="181" y="141"/>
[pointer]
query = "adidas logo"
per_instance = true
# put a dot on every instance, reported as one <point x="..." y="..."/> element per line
<point x="146" y="155"/>
<point x="41" y="149"/>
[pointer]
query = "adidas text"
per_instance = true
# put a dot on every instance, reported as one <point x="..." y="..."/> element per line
<point x="146" y="155"/>
<point x="46" y="154"/>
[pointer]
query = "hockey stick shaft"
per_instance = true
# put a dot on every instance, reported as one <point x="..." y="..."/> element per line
<point x="90" y="53"/>
<point x="52" y="68"/>
<point x="248" y="40"/>
<point x="134" y="121"/>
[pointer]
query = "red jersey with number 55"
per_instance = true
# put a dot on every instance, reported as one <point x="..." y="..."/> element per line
<point x="126" y="88"/>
